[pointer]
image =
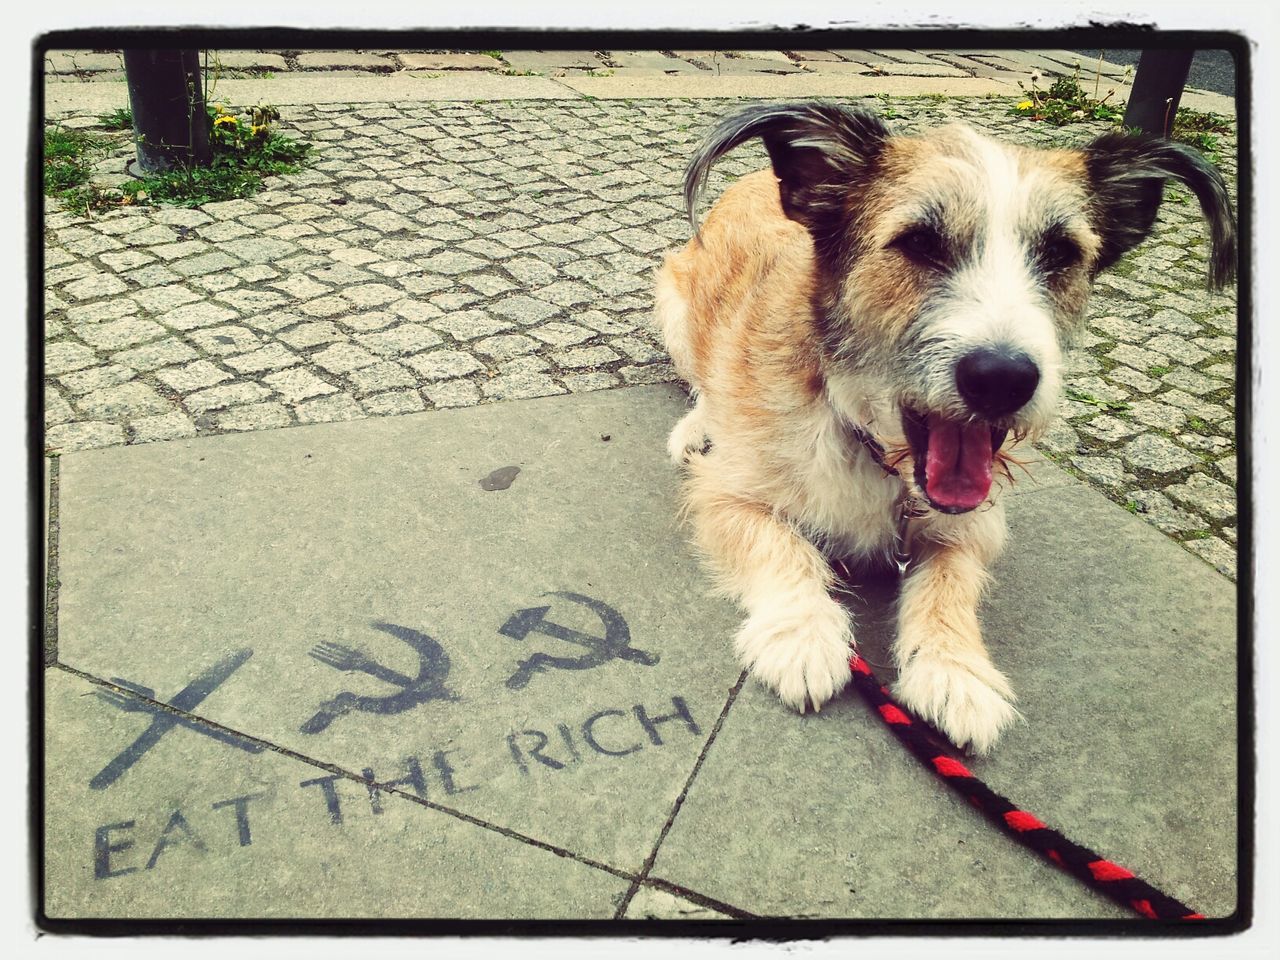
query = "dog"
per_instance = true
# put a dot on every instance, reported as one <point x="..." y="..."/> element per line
<point x="867" y="329"/>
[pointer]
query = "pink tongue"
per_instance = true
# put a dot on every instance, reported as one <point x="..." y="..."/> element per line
<point x="957" y="468"/>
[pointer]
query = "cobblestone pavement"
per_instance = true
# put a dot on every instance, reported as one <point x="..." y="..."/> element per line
<point x="450" y="254"/>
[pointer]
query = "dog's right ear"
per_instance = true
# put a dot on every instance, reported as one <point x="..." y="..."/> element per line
<point x="818" y="150"/>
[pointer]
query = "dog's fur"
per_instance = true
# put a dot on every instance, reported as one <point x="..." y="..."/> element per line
<point x="841" y="292"/>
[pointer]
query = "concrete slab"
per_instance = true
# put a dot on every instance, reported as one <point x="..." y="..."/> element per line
<point x="1122" y="648"/>
<point x="512" y="664"/>
<point x="203" y="829"/>
<point x="393" y="590"/>
<point x="337" y="87"/>
<point x="771" y="86"/>
<point x="654" y="903"/>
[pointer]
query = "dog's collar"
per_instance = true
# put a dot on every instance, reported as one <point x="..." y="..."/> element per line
<point x="909" y="507"/>
<point x="871" y="445"/>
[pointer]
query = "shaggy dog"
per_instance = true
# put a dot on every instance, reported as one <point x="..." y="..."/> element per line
<point x="866" y="328"/>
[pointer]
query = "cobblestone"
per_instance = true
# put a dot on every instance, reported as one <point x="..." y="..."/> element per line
<point x="486" y="252"/>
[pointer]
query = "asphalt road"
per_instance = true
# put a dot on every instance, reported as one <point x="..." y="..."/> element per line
<point x="1213" y="70"/>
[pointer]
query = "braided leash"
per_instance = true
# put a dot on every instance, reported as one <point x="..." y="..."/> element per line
<point x="1102" y="875"/>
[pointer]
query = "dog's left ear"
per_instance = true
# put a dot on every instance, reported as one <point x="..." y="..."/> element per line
<point x="1127" y="174"/>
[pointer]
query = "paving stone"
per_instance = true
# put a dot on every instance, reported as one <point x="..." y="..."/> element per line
<point x="584" y="382"/>
<point x="203" y="263"/>
<point x="156" y="275"/>
<point x="254" y="416"/>
<point x="128" y="401"/>
<point x="195" y="315"/>
<point x="1217" y="553"/>
<point x="639" y="350"/>
<point x="1108" y="428"/>
<point x="1107" y="471"/>
<point x="302" y="287"/>
<point x="393" y="403"/>
<point x="151" y="356"/>
<point x="647" y="374"/>
<point x="56" y="409"/>
<point x="193" y="376"/>
<point x="271" y="357"/>
<point x="381" y="376"/>
<point x="443" y="364"/>
<point x="514" y="386"/>
<point x="121" y="260"/>
<point x="121" y="333"/>
<point x="405" y="338"/>
<point x="372" y="295"/>
<point x="1157" y="455"/>
<point x="1192" y="382"/>
<point x="67" y="437"/>
<point x="226" y="340"/>
<point x="92" y="287"/>
<point x="453" y="301"/>
<point x="298" y="384"/>
<point x="328" y="60"/>
<point x="1202" y="493"/>
<point x="227" y="395"/>
<point x="261" y="250"/>
<point x="1132" y="378"/>
<point x="506" y="346"/>
<point x="355" y="256"/>
<point x="216" y="282"/>
<point x="102" y="312"/>
<point x="65" y="357"/>
<point x="1174" y="322"/>
<point x="561" y="334"/>
<point x="325" y="306"/>
<point x="602" y="322"/>
<point x="343" y="358"/>
<point x="452" y="393"/>
<point x="584" y="357"/>
<point x="169" y="426"/>
<point x="1178" y="348"/>
<point x="524" y="310"/>
<point x="1160" y="415"/>
<point x="327" y="409"/>
<point x="252" y="301"/>
<point x="469" y="324"/>
<point x="530" y="272"/>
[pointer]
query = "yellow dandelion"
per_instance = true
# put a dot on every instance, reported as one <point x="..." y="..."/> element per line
<point x="225" y="119"/>
<point x="1025" y="105"/>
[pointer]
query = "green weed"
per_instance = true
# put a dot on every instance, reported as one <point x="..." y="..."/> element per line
<point x="119" y="119"/>
<point x="1066" y="101"/>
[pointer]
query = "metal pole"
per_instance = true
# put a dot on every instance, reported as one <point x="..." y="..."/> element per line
<point x="1157" y="88"/>
<point x="169" y="123"/>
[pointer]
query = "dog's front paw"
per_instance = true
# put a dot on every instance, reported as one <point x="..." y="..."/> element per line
<point x="802" y="653"/>
<point x="967" y="699"/>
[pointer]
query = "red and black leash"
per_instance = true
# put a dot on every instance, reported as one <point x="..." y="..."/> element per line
<point x="1097" y="872"/>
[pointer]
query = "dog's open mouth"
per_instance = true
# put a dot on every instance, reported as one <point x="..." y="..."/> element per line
<point x="953" y="458"/>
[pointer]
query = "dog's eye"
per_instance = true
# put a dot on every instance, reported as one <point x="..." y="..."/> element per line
<point x="924" y="245"/>
<point x="1057" y="253"/>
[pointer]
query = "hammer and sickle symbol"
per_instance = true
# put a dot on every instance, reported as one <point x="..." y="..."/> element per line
<point x="433" y="668"/>
<point x="614" y="645"/>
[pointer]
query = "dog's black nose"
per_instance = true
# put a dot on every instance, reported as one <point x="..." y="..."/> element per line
<point x="996" y="382"/>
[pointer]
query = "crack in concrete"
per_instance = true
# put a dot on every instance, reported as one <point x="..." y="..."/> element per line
<point x="643" y="876"/>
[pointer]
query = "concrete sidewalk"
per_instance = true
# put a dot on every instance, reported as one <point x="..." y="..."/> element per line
<point x="302" y="672"/>
<point x="331" y="671"/>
